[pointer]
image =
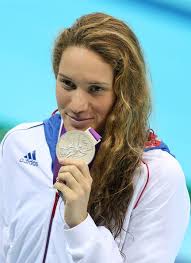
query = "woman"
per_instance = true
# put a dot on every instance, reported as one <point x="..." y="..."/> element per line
<point x="131" y="203"/>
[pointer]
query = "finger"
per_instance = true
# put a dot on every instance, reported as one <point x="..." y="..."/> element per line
<point x="65" y="190"/>
<point x="80" y="164"/>
<point x="68" y="179"/>
<point x="76" y="173"/>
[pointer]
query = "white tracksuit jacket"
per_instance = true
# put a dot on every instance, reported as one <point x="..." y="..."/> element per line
<point x="153" y="230"/>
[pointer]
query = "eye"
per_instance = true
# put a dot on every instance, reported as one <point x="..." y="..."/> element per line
<point x="68" y="84"/>
<point x="95" y="89"/>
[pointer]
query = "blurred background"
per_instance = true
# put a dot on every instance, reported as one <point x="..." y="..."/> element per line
<point x="27" y="84"/>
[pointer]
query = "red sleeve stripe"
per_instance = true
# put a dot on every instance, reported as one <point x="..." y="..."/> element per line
<point x="148" y="176"/>
<point x="50" y="226"/>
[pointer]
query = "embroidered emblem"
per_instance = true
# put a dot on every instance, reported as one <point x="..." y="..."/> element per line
<point x="30" y="158"/>
<point x="153" y="141"/>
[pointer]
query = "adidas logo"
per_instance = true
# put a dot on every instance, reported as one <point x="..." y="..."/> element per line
<point x="30" y="158"/>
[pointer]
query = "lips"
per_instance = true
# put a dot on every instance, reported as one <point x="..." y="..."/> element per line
<point x="78" y="119"/>
<point x="79" y="123"/>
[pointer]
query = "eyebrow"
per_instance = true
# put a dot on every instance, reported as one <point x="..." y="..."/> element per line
<point x="92" y="82"/>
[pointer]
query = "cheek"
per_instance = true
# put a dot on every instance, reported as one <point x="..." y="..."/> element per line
<point x="105" y="107"/>
<point x="61" y="97"/>
<point x="110" y="102"/>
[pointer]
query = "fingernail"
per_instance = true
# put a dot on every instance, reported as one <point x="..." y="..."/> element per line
<point x="61" y="161"/>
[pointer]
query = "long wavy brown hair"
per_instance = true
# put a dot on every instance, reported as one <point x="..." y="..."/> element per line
<point x="126" y="128"/>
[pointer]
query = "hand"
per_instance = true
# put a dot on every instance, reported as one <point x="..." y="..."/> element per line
<point x="74" y="181"/>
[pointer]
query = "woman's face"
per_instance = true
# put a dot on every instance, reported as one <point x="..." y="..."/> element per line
<point x="84" y="89"/>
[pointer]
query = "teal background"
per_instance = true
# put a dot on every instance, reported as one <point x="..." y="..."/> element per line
<point x="27" y="84"/>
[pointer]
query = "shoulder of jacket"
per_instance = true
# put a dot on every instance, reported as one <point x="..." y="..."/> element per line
<point x="166" y="176"/>
<point x="22" y="127"/>
<point x="162" y="164"/>
<point x="159" y="171"/>
<point x="17" y="132"/>
<point x="26" y="125"/>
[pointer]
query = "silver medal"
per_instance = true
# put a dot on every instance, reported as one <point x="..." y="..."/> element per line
<point x="75" y="144"/>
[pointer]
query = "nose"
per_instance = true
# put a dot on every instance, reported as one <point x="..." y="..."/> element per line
<point x="79" y="101"/>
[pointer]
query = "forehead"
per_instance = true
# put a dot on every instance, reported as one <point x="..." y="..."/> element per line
<point x="83" y="63"/>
